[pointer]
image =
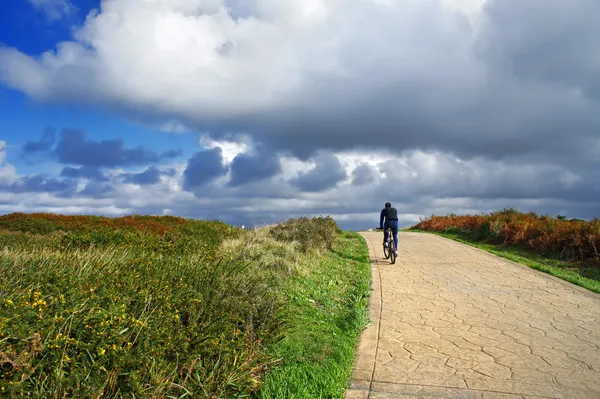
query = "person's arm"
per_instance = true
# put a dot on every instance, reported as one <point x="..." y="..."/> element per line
<point x="381" y="217"/>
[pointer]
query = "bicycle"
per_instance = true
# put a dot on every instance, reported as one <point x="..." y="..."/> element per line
<point x="389" y="250"/>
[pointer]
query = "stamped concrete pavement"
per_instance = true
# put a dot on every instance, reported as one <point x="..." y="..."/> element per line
<point x="452" y="321"/>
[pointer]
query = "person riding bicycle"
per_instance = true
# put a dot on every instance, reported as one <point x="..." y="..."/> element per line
<point x="389" y="214"/>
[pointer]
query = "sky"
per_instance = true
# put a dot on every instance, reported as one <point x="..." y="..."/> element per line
<point x="256" y="111"/>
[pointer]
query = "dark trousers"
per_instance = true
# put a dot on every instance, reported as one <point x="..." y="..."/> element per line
<point x="393" y="224"/>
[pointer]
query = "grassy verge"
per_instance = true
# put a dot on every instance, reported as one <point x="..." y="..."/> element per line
<point x="147" y="307"/>
<point x="574" y="272"/>
<point x="327" y="309"/>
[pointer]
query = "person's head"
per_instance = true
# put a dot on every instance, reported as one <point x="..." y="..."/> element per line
<point x="388" y="205"/>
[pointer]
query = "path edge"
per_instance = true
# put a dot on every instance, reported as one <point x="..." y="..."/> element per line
<point x="366" y="350"/>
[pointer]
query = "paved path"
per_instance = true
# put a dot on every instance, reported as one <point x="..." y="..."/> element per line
<point x="451" y="321"/>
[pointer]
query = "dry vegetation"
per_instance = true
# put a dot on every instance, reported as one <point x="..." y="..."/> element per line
<point x="569" y="239"/>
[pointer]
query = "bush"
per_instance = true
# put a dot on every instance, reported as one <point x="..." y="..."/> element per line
<point x="45" y="223"/>
<point x="570" y="239"/>
<point x="317" y="234"/>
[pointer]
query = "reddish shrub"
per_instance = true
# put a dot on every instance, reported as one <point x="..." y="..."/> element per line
<point x="44" y="223"/>
<point x="575" y="239"/>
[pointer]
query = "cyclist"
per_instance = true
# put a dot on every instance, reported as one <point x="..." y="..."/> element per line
<point x="390" y="215"/>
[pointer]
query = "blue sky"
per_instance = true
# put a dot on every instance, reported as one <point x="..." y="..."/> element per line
<point x="24" y="120"/>
<point x="253" y="112"/>
<point x="30" y="30"/>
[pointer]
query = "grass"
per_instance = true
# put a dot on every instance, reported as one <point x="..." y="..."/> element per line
<point x="328" y="309"/>
<point x="167" y="307"/>
<point x="580" y="273"/>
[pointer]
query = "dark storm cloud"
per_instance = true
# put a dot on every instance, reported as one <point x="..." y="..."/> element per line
<point x="444" y="176"/>
<point x="83" y="172"/>
<point x="43" y="145"/>
<point x="150" y="176"/>
<point x="326" y="174"/>
<point x="246" y="168"/>
<point x="363" y="175"/>
<point x="557" y="44"/>
<point x="74" y="148"/>
<point x="204" y="167"/>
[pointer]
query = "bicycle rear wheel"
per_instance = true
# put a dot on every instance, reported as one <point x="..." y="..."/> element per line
<point x="393" y="252"/>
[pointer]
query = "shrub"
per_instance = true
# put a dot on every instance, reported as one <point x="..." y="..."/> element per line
<point x="317" y="234"/>
<point x="572" y="239"/>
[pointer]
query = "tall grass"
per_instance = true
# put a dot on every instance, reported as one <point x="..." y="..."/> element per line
<point x="99" y="307"/>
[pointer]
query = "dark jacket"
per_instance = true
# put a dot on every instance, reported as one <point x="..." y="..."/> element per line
<point x="388" y="214"/>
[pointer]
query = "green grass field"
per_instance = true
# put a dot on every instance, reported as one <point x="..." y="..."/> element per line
<point x="167" y="307"/>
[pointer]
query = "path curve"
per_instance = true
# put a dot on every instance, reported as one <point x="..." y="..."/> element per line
<point x="452" y="321"/>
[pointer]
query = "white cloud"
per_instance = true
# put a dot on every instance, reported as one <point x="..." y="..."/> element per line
<point x="230" y="148"/>
<point x="196" y="59"/>
<point x="54" y="9"/>
<point x="174" y="127"/>
<point x="8" y="173"/>
<point x="450" y="75"/>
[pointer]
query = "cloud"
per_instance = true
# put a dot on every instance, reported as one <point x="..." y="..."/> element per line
<point x="551" y="51"/>
<point x="97" y="189"/>
<point x="204" y="167"/>
<point x="171" y="154"/>
<point x="54" y="9"/>
<point x="74" y="148"/>
<point x="326" y="174"/>
<point x="364" y="175"/>
<point x="83" y="172"/>
<point x="44" y="145"/>
<point x="7" y="172"/>
<point x="418" y="183"/>
<point x="150" y="176"/>
<point x="439" y="106"/>
<point x="251" y="167"/>
<point x="501" y="92"/>
<point x="41" y="184"/>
